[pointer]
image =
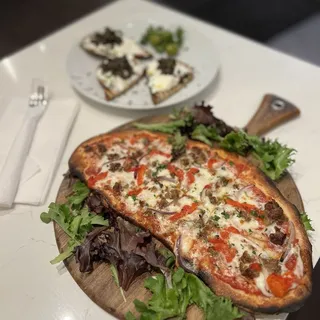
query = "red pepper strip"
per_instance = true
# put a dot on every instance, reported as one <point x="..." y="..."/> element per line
<point x="216" y="240"/>
<point x="279" y="285"/>
<point x="190" y="175"/>
<point x="160" y="153"/>
<point x="255" y="267"/>
<point x="291" y="262"/>
<point x="133" y="169"/>
<point x="184" y="211"/>
<point x="240" y="167"/>
<point x="223" y="247"/>
<point x="135" y="192"/>
<point x="176" y="171"/>
<point x="211" y="162"/>
<point x="140" y="174"/>
<point x="93" y="179"/>
<point x="245" y="206"/>
<point x="225" y="233"/>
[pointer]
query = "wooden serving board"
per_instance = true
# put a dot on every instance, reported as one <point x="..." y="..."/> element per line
<point x="99" y="284"/>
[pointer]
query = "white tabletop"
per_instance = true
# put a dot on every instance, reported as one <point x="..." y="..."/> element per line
<point x="33" y="289"/>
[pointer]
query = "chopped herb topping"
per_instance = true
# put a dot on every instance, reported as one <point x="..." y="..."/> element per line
<point x="239" y="214"/>
<point x="254" y="213"/>
<point x="226" y="215"/>
<point x="158" y="169"/>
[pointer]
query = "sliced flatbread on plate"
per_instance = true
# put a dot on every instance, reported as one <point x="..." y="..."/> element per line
<point x="110" y="43"/>
<point x="166" y="77"/>
<point x="118" y="75"/>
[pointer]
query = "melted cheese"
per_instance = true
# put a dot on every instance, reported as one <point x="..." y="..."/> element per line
<point x="159" y="82"/>
<point x="210" y="212"/>
<point x="261" y="284"/>
<point x="116" y="83"/>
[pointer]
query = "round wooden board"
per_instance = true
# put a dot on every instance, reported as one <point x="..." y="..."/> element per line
<point x="99" y="284"/>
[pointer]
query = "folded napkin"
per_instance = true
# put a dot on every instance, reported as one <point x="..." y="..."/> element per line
<point x="46" y="149"/>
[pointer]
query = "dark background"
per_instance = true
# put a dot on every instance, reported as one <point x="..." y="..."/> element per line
<point x="25" y="21"/>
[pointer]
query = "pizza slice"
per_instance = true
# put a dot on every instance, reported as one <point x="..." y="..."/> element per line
<point x="224" y="220"/>
<point x="110" y="43"/>
<point x="166" y="77"/>
<point x="118" y="75"/>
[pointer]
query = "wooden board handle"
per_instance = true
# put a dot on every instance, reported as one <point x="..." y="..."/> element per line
<point x="272" y="112"/>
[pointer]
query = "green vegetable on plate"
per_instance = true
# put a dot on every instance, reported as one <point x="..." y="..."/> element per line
<point x="163" y="40"/>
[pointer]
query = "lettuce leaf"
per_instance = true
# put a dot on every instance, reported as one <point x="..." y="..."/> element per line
<point x="172" y="302"/>
<point x="205" y="134"/>
<point x="166" y="127"/>
<point x="306" y="221"/>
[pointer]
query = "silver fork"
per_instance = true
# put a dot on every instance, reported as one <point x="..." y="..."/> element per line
<point x="12" y="169"/>
<point x="39" y="93"/>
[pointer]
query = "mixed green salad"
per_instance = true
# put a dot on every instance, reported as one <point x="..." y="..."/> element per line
<point x="198" y="123"/>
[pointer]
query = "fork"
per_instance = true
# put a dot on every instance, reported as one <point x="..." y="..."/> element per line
<point x="39" y="93"/>
<point x="12" y="169"/>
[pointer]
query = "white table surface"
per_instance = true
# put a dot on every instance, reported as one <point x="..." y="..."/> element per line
<point x="30" y="288"/>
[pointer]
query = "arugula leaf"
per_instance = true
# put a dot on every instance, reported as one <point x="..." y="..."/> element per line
<point x="306" y="221"/>
<point x="66" y="253"/>
<point x="75" y="222"/>
<point x="60" y="214"/>
<point x="178" y="143"/>
<point x="166" y="127"/>
<point x="173" y="302"/>
<point x="116" y="280"/>
<point x="80" y="193"/>
<point x="205" y="134"/>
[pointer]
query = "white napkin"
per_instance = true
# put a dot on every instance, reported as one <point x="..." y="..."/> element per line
<point x="47" y="146"/>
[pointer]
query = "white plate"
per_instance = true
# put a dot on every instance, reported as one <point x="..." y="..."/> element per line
<point x="198" y="52"/>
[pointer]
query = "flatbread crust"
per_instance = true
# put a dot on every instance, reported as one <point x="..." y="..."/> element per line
<point x="145" y="54"/>
<point x="294" y="299"/>
<point x="161" y="96"/>
<point x="164" y="95"/>
<point x="112" y="94"/>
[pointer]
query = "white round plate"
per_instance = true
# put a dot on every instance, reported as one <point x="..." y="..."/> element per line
<point x="197" y="51"/>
